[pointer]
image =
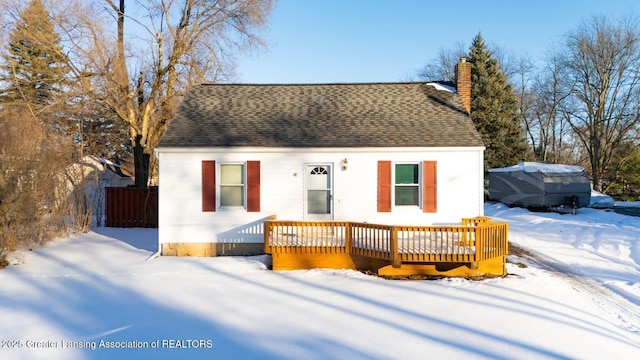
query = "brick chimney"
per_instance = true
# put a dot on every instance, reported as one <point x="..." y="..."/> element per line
<point x="463" y="83"/>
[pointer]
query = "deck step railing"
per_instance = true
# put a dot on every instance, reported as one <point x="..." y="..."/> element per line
<point x="475" y="240"/>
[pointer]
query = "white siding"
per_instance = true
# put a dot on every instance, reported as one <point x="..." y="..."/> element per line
<point x="460" y="189"/>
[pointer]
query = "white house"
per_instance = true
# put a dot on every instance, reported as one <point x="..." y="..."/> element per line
<point x="388" y="153"/>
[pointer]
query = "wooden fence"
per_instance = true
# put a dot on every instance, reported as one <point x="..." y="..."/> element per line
<point x="131" y="207"/>
<point x="477" y="239"/>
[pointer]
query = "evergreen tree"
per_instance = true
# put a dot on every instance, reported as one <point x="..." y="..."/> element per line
<point x="622" y="179"/>
<point x="494" y="109"/>
<point x="34" y="67"/>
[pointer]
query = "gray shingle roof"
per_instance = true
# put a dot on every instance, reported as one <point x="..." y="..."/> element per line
<point x="321" y="115"/>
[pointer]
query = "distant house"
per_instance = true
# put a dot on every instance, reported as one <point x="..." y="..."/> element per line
<point x="84" y="182"/>
<point x="116" y="172"/>
<point x="102" y="172"/>
<point x="390" y="153"/>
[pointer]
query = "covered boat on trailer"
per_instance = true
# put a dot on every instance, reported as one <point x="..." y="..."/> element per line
<point x="539" y="185"/>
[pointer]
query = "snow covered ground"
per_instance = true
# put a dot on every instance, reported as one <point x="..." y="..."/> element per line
<point x="576" y="294"/>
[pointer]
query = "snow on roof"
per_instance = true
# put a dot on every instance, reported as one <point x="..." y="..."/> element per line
<point x="534" y="167"/>
<point x="443" y="87"/>
<point x="104" y="161"/>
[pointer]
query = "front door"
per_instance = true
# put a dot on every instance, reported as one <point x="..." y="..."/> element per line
<point x="318" y="193"/>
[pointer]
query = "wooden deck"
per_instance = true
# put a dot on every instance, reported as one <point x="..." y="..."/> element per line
<point x="477" y="247"/>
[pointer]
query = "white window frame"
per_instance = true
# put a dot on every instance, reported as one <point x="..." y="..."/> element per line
<point x="220" y="185"/>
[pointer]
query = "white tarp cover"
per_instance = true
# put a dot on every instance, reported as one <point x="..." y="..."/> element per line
<point x="533" y="167"/>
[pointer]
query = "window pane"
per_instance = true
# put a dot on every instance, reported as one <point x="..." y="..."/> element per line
<point x="231" y="185"/>
<point x="232" y="174"/>
<point x="406" y="173"/>
<point x="406" y="195"/>
<point x="318" y="202"/>
<point x="231" y="196"/>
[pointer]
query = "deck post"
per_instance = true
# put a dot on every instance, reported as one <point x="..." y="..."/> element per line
<point x="481" y="241"/>
<point x="267" y="231"/>
<point x="347" y="237"/>
<point x="395" y="253"/>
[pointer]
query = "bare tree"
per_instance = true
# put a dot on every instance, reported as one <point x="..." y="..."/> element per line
<point x="31" y="158"/>
<point x="544" y="119"/>
<point x="442" y="68"/>
<point x="139" y="61"/>
<point x="603" y="64"/>
<point x="523" y="89"/>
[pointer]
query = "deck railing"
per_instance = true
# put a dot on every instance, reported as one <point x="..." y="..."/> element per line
<point x="302" y="237"/>
<point x="437" y="243"/>
<point x="491" y="241"/>
<point x="474" y="221"/>
<point x="372" y="240"/>
<point x="475" y="240"/>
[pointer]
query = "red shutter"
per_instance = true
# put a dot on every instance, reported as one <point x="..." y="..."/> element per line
<point x="253" y="186"/>
<point x="384" y="186"/>
<point x="429" y="187"/>
<point x="208" y="185"/>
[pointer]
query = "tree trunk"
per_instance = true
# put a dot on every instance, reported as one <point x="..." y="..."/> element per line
<point x="141" y="164"/>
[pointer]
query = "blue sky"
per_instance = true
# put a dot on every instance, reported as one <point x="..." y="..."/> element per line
<point x="321" y="41"/>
